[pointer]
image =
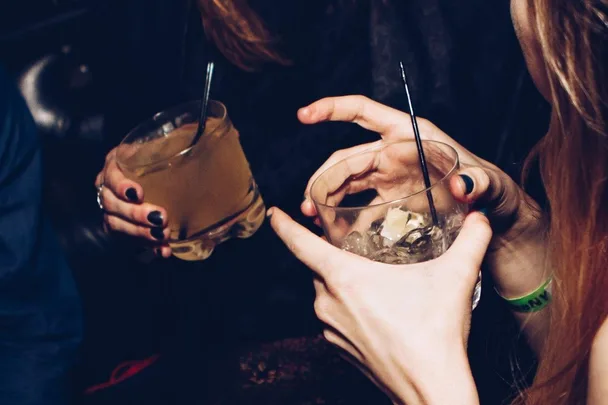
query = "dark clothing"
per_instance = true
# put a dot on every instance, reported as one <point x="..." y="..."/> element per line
<point x="40" y="319"/>
<point x="467" y="75"/>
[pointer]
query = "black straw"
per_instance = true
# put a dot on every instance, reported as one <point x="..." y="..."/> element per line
<point x="425" y="171"/>
<point x="202" y="118"/>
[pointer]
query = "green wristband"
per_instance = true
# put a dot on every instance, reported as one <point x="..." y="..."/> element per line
<point x="533" y="302"/>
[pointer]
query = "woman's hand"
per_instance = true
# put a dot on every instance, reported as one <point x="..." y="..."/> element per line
<point x="405" y="326"/>
<point x="514" y="215"/>
<point x="510" y="210"/>
<point x="125" y="211"/>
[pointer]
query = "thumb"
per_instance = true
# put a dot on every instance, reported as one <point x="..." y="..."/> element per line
<point x="472" y="243"/>
<point x="313" y="251"/>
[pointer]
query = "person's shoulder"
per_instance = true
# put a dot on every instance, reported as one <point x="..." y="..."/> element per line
<point x="598" y="367"/>
<point x="14" y="112"/>
<point x="600" y="342"/>
<point x="6" y="94"/>
<point x="18" y="134"/>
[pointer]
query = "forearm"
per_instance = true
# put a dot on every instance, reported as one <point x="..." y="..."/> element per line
<point x="519" y="267"/>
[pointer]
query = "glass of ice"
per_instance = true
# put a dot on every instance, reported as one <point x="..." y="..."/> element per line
<point x="375" y="203"/>
<point x="207" y="188"/>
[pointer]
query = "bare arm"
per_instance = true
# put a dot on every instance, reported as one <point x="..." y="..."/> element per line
<point x="598" y="368"/>
<point x="519" y="266"/>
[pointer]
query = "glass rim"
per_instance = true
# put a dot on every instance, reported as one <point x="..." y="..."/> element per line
<point x="380" y="146"/>
<point x="170" y="110"/>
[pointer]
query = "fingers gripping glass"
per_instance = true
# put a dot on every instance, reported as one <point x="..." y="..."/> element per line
<point x="207" y="187"/>
<point x="375" y="203"/>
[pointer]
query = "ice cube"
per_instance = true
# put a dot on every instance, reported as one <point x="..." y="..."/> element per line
<point x="395" y="255"/>
<point x="357" y="243"/>
<point x="376" y="226"/>
<point x="381" y="255"/>
<point x="394" y="224"/>
<point x="398" y="223"/>
<point x="376" y="241"/>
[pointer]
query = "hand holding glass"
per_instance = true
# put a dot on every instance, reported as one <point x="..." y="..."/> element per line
<point x="375" y="204"/>
<point x="207" y="188"/>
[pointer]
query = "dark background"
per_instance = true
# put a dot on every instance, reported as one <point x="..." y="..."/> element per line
<point x="62" y="53"/>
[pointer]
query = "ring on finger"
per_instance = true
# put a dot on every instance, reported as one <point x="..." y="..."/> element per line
<point x="99" y="202"/>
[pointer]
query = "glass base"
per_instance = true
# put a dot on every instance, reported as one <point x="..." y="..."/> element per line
<point x="243" y="226"/>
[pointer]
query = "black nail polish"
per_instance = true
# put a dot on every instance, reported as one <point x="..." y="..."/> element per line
<point x="468" y="183"/>
<point x="132" y="195"/>
<point x="155" y="218"/>
<point x="157" y="233"/>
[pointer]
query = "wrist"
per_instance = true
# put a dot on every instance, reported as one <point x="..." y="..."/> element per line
<point x="535" y="301"/>
<point x="441" y="380"/>
<point x="518" y="259"/>
<point x="519" y="267"/>
<point x="527" y="225"/>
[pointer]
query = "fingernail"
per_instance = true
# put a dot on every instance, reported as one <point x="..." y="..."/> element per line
<point x="305" y="111"/>
<point x="468" y="183"/>
<point x="155" y="218"/>
<point x="269" y="213"/>
<point x="132" y="195"/>
<point x="483" y="211"/>
<point x="157" y="233"/>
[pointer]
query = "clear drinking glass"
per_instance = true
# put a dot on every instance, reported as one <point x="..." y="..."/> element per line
<point x="375" y="203"/>
<point x="207" y="189"/>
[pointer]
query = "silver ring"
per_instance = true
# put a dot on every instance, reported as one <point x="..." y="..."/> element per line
<point x="99" y="190"/>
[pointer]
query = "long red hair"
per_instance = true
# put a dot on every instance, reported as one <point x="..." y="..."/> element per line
<point x="573" y="36"/>
<point x="239" y="33"/>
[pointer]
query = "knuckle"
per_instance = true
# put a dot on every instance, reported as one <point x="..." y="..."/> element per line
<point x="106" y="201"/>
<point x="480" y="221"/>
<point x="338" y="280"/>
<point x="496" y="184"/>
<point x="321" y="307"/>
<point x="330" y="336"/>
<point x="360" y="100"/>
<point x="424" y="123"/>
<point x="144" y="232"/>
<point x="483" y="180"/>
<point x="337" y="156"/>
<point x="293" y="246"/>
<point x="484" y="174"/>
<point x="110" y="156"/>
<point x="294" y="242"/>
<point x="129" y="211"/>
<point x="113" y="175"/>
<point x="138" y="213"/>
<point x="111" y="221"/>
